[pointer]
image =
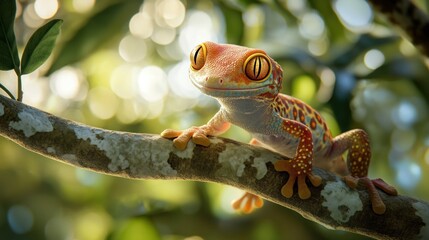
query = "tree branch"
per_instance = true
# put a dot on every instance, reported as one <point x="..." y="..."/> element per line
<point x="412" y="20"/>
<point x="147" y="156"/>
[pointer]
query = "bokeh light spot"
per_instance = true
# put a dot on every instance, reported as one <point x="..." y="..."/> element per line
<point x="141" y="25"/>
<point x="354" y="13"/>
<point x="87" y="178"/>
<point x="163" y="36"/>
<point x="405" y="114"/>
<point x="20" y="219"/>
<point x="304" y="88"/>
<point x="403" y="140"/>
<point x="178" y="79"/>
<point x="373" y="59"/>
<point x="58" y="228"/>
<point x="66" y="83"/>
<point x="198" y="28"/>
<point x="408" y="174"/>
<point x="31" y="18"/>
<point x="122" y="81"/>
<point x="311" y="26"/>
<point x="152" y="83"/>
<point x="46" y="8"/>
<point x="172" y="12"/>
<point x="132" y="49"/>
<point x="102" y="102"/>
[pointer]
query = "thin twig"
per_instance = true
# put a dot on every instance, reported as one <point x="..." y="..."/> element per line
<point x="7" y="91"/>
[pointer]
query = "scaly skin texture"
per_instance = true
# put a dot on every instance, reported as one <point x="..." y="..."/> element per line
<point x="246" y="82"/>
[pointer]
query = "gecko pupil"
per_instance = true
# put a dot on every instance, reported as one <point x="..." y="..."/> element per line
<point x="257" y="67"/>
<point x="198" y="57"/>
<point x="196" y="54"/>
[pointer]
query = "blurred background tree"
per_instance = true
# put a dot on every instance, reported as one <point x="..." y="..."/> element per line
<point x="123" y="65"/>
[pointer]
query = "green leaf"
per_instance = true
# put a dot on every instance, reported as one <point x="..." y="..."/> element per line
<point x="9" y="58"/>
<point x="336" y="29"/>
<point x="96" y="32"/>
<point x="40" y="46"/>
<point x="234" y="23"/>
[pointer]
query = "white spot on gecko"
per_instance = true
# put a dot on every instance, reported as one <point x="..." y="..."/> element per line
<point x="142" y="156"/>
<point x="341" y="201"/>
<point x="1" y="109"/>
<point x="32" y="122"/>
<point x="422" y="210"/>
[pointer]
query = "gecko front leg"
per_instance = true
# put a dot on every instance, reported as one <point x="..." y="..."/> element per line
<point x="300" y="167"/>
<point x="216" y="126"/>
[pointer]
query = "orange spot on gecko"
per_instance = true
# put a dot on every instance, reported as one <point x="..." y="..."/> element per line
<point x="325" y="137"/>
<point x="299" y="104"/>
<point x="301" y="116"/>
<point x="313" y="124"/>
<point x="318" y="117"/>
<point x="308" y="109"/>
<point x="295" y="113"/>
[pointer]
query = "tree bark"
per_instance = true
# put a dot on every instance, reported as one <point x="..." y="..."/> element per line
<point x="147" y="156"/>
<point x="407" y="16"/>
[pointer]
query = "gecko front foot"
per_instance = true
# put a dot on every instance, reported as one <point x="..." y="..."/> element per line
<point x="182" y="137"/>
<point x="294" y="174"/>
<point x="378" y="205"/>
<point x="247" y="203"/>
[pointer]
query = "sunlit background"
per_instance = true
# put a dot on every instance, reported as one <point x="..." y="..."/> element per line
<point x="123" y="65"/>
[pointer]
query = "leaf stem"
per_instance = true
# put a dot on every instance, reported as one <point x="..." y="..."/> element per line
<point x="20" y="92"/>
<point x="7" y="91"/>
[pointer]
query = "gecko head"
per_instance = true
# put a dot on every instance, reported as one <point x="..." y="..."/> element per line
<point x="231" y="71"/>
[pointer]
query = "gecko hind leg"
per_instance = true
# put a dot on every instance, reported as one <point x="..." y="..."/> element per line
<point x="358" y="159"/>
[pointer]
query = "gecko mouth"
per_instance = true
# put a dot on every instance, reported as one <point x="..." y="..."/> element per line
<point x="206" y="89"/>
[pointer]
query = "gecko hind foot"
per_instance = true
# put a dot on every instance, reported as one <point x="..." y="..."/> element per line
<point x="377" y="203"/>
<point x="247" y="203"/>
<point x="303" y="190"/>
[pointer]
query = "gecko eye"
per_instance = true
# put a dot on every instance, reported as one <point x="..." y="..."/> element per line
<point x="257" y="67"/>
<point x="198" y="57"/>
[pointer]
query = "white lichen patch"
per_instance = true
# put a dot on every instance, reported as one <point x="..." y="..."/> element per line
<point x="187" y="153"/>
<point x="422" y="210"/>
<point x="233" y="159"/>
<point x="32" y="122"/>
<point x="155" y="153"/>
<point x="70" y="158"/>
<point x="341" y="201"/>
<point x="215" y="140"/>
<point x="142" y="156"/>
<point x="1" y="109"/>
<point x="260" y="163"/>
<point x="50" y="150"/>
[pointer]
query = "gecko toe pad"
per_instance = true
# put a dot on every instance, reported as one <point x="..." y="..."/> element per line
<point x="294" y="175"/>
<point x="247" y="203"/>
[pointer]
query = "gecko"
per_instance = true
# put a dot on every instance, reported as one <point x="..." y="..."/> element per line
<point x="247" y="84"/>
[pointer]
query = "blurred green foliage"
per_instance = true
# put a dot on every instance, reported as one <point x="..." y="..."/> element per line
<point x="358" y="72"/>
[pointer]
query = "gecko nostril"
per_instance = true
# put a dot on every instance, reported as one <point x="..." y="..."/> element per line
<point x="207" y="78"/>
<point x="221" y="81"/>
